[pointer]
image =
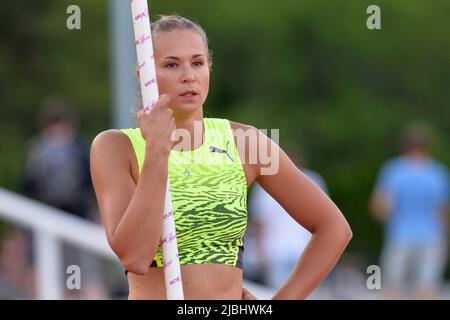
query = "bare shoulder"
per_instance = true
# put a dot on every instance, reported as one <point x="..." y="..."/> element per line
<point x="109" y="149"/>
<point x="255" y="148"/>
<point x="251" y="138"/>
<point x="110" y="140"/>
<point x="245" y="136"/>
<point x="237" y="125"/>
<point x="249" y="130"/>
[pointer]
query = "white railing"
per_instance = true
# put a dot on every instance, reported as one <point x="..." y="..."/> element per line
<point x="50" y="226"/>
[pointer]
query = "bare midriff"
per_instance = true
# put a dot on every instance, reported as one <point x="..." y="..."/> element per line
<point x="200" y="282"/>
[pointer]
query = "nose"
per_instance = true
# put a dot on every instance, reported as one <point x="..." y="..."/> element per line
<point x="188" y="75"/>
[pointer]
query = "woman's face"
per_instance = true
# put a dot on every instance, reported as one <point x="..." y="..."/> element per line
<point x="182" y="70"/>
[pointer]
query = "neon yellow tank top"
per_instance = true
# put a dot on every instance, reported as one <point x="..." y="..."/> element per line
<point x="209" y="196"/>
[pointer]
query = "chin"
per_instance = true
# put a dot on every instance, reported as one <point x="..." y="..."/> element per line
<point x="186" y="109"/>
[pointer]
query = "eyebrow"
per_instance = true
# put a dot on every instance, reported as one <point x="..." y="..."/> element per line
<point x="177" y="58"/>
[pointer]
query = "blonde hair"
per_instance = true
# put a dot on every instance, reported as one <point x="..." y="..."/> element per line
<point x="168" y="23"/>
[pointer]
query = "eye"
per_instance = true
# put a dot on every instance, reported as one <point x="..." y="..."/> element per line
<point x="198" y="63"/>
<point x="170" y="65"/>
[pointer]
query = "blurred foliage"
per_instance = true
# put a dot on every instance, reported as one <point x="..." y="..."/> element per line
<point x="338" y="91"/>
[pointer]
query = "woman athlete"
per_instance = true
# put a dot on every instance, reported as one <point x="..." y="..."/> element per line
<point x="209" y="176"/>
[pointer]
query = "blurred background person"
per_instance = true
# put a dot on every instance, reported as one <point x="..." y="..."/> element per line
<point x="411" y="199"/>
<point x="16" y="269"/>
<point x="57" y="161"/>
<point x="57" y="173"/>
<point x="274" y="241"/>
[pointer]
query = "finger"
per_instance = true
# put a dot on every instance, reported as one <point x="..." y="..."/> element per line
<point x="155" y="104"/>
<point x="163" y="100"/>
<point x="140" y="113"/>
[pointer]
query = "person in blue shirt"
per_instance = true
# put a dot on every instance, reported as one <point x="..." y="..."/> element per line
<point x="411" y="199"/>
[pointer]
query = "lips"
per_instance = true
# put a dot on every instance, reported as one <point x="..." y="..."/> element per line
<point x="189" y="93"/>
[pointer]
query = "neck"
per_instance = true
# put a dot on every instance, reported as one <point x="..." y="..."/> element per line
<point x="417" y="153"/>
<point x="190" y="132"/>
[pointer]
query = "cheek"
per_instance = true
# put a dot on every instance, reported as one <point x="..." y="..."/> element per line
<point x="163" y="83"/>
<point x="205" y="82"/>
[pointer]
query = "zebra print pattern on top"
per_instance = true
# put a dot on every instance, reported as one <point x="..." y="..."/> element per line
<point x="209" y="196"/>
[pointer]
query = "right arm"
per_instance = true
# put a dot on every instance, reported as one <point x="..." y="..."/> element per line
<point x="381" y="201"/>
<point x="380" y="205"/>
<point x="132" y="213"/>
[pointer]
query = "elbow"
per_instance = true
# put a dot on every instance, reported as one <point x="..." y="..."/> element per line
<point x="347" y="233"/>
<point x="135" y="268"/>
<point x="131" y="262"/>
<point x="134" y="265"/>
<point x="337" y="231"/>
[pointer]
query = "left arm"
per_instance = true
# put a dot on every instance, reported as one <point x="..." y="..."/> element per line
<point x="312" y="209"/>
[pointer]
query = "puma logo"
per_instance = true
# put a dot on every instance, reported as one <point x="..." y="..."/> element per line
<point x="218" y="150"/>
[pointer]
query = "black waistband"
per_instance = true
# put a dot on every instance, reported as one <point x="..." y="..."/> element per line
<point x="239" y="262"/>
<point x="152" y="265"/>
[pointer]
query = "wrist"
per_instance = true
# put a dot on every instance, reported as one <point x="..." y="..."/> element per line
<point x="157" y="150"/>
